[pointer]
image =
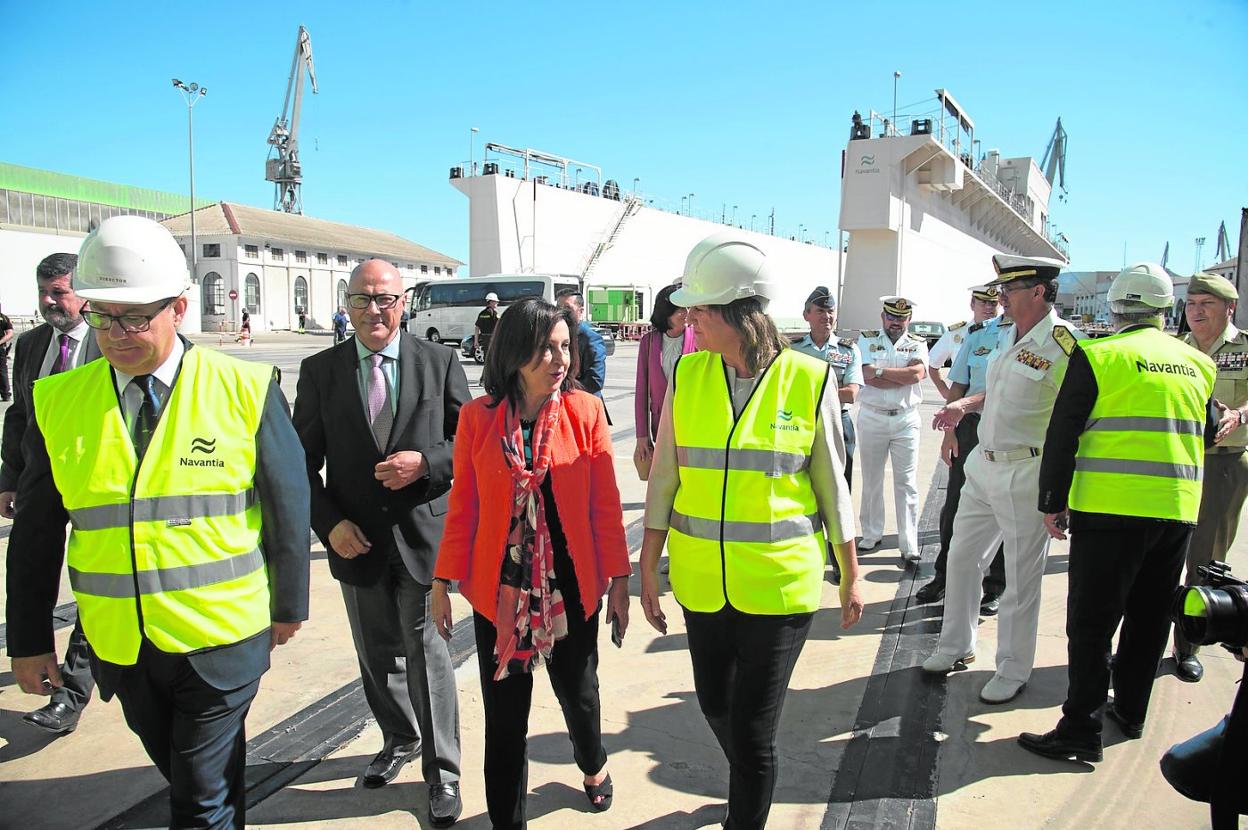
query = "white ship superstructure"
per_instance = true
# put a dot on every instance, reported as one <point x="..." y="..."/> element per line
<point x="535" y="212"/>
<point x="925" y="213"/>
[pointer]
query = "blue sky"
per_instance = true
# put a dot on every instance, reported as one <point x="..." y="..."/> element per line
<point x="738" y="103"/>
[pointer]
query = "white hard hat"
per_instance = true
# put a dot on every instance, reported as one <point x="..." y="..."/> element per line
<point x="723" y="268"/>
<point x="130" y="259"/>
<point x="1144" y="283"/>
<point x="491" y="296"/>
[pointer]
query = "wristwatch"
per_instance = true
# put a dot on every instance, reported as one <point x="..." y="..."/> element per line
<point x="1243" y="416"/>
<point x="879" y="371"/>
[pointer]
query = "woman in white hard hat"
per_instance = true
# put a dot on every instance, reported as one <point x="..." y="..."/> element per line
<point x="746" y="483"/>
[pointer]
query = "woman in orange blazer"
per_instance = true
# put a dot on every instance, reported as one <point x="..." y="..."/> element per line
<point x="535" y="538"/>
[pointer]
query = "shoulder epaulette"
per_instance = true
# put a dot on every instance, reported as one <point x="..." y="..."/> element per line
<point x="870" y="332"/>
<point x="974" y="328"/>
<point x="1004" y="321"/>
<point x="845" y="341"/>
<point x="1064" y="339"/>
<point x="958" y="326"/>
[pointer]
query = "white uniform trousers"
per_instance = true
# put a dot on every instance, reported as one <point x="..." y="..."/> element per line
<point x="881" y="437"/>
<point x="999" y="503"/>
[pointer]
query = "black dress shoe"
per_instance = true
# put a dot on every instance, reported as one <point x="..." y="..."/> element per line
<point x="60" y="718"/>
<point x="989" y="606"/>
<point x="931" y="592"/>
<point x="1188" y="668"/>
<point x="444" y="804"/>
<point x="385" y="767"/>
<point x="1055" y="745"/>
<point x="1130" y="729"/>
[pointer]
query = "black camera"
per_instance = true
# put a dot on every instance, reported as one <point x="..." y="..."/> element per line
<point x="1215" y="611"/>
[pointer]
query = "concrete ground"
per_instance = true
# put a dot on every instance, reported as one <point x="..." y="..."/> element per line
<point x="864" y="741"/>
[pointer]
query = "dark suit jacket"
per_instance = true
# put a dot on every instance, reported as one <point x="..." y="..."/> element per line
<point x="333" y="426"/>
<point x="31" y="347"/>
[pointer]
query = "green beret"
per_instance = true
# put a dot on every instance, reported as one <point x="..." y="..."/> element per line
<point x="1219" y="287"/>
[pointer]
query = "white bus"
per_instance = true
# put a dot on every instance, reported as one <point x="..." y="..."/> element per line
<point x="446" y="310"/>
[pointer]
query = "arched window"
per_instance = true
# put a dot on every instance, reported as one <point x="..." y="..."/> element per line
<point x="301" y="295"/>
<point x="251" y="294"/>
<point x="342" y="295"/>
<point x="213" y="294"/>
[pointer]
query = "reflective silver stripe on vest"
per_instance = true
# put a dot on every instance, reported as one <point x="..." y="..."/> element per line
<point x="756" y="461"/>
<point x="1146" y="424"/>
<point x="1187" y="472"/>
<point x="760" y="532"/>
<point x="182" y="578"/>
<point x="162" y="509"/>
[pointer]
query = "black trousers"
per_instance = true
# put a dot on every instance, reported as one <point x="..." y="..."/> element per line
<point x="194" y="733"/>
<point x="6" y="391"/>
<point x="76" y="672"/>
<point x="847" y="427"/>
<point x="741" y="669"/>
<point x="1121" y="570"/>
<point x="573" y="671"/>
<point x="967" y="433"/>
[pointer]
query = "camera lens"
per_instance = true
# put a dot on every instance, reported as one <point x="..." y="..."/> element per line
<point x="1214" y="615"/>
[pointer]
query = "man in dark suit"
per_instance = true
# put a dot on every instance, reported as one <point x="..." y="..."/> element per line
<point x="379" y="413"/>
<point x="38" y="354"/>
<point x="188" y="553"/>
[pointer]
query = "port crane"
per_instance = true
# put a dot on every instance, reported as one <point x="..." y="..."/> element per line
<point x="283" y="167"/>
<point x="1054" y="163"/>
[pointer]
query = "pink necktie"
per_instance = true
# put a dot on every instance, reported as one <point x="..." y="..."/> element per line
<point x="379" y="415"/>
<point x="62" y="360"/>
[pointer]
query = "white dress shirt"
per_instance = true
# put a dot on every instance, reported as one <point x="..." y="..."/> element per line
<point x="77" y="339"/>
<point x="131" y="396"/>
<point x="879" y="351"/>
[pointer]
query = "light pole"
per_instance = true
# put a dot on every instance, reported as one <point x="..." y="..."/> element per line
<point x="472" y="165"/>
<point x="896" y="78"/>
<point x="192" y="92"/>
<point x="636" y="184"/>
<point x="801" y="232"/>
<point x="825" y="238"/>
<point x="734" y="216"/>
<point x="682" y="203"/>
<point x="691" y="204"/>
<point x="753" y="216"/>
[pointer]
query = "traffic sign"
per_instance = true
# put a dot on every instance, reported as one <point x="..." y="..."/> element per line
<point x="233" y="294"/>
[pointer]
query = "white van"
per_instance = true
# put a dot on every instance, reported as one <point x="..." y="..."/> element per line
<point x="446" y="310"/>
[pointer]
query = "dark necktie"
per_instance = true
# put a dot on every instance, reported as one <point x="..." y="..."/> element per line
<point x="62" y="360"/>
<point x="149" y="412"/>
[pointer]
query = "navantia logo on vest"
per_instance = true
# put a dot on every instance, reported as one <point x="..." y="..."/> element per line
<point x="1164" y="368"/>
<point x="784" y="415"/>
<point x="202" y="445"/>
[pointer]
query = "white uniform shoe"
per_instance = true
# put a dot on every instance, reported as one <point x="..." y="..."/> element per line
<point x="940" y="663"/>
<point x="1000" y="690"/>
<point x="868" y="544"/>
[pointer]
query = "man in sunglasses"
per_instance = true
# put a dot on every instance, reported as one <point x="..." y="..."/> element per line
<point x="379" y="412"/>
<point x="178" y="469"/>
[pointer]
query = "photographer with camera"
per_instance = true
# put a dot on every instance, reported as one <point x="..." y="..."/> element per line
<point x="1122" y="463"/>
<point x="1212" y="766"/>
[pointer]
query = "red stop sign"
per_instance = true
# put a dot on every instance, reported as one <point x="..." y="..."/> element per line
<point x="233" y="294"/>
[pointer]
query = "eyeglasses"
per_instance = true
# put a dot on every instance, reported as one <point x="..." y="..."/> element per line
<point x="130" y="323"/>
<point x="383" y="301"/>
<point x="1010" y="287"/>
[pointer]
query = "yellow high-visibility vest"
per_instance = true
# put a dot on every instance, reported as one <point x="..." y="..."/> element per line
<point x="169" y="549"/>
<point x="1142" y="451"/>
<point x="745" y="527"/>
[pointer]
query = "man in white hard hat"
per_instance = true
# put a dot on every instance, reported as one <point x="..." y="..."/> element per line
<point x="486" y="321"/>
<point x="182" y="477"/>
<point x="1122" y="470"/>
<point x="62" y="342"/>
<point x="894" y="362"/>
<point x="1209" y="310"/>
<point x="998" y="500"/>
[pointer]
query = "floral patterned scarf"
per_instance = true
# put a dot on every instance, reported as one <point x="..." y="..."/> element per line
<point x="531" y="615"/>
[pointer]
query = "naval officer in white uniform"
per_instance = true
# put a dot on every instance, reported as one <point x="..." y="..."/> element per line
<point x="1002" y="477"/>
<point x="894" y="362"/>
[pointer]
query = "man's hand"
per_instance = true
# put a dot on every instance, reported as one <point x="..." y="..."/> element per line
<point x="650" y="602"/>
<point x="38" y="675"/>
<point x="401" y="469"/>
<point x="6" y="504"/>
<point x="949" y="448"/>
<point x="1056" y="524"/>
<point x="348" y="541"/>
<point x="281" y="633"/>
<point x="851" y="603"/>
<point x="1227" y="423"/>
<point x="949" y="416"/>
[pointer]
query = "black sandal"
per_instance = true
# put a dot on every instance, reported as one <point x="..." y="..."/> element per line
<point x="600" y="795"/>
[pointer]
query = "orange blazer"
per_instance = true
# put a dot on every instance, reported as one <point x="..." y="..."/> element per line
<point x="583" y="479"/>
